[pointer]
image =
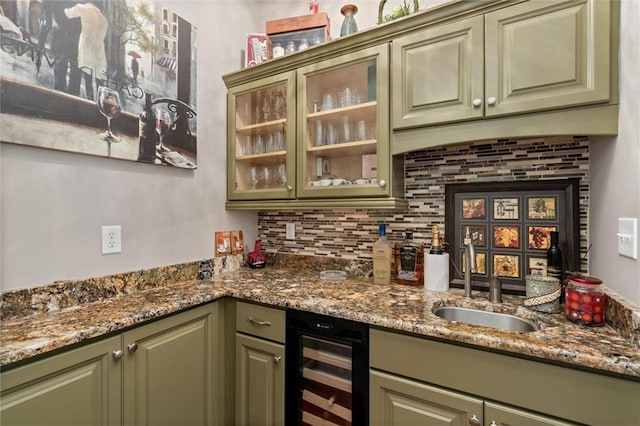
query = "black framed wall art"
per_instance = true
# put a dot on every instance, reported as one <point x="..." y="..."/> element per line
<point x="510" y="224"/>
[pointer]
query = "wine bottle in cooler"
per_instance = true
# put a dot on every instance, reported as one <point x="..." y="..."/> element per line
<point x="147" y="134"/>
<point x="554" y="262"/>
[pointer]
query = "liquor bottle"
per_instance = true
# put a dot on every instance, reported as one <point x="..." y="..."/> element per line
<point x="436" y="247"/>
<point x="409" y="261"/>
<point x="147" y="133"/>
<point x="554" y="262"/>
<point x="313" y="6"/>
<point x="382" y="252"/>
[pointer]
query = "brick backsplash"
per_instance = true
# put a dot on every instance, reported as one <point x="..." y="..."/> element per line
<point x="350" y="234"/>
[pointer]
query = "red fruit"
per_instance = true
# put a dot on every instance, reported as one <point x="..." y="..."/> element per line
<point x="586" y="307"/>
<point x="597" y="318"/>
<point x="575" y="315"/>
<point x="574" y="296"/>
<point x="586" y="318"/>
<point x="586" y="298"/>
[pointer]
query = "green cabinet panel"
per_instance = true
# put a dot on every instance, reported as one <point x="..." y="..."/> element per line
<point x="169" y="370"/>
<point x="260" y="369"/>
<point x="396" y="401"/>
<point x="76" y="388"/>
<point x="542" y="55"/>
<point x="441" y="74"/>
<point x="500" y="415"/>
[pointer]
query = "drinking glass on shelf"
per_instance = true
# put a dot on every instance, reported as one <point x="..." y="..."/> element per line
<point x="318" y="133"/>
<point x="270" y="143"/>
<point x="332" y="133"/>
<point x="258" y="144"/>
<point x="328" y="101"/>
<point x="361" y="130"/>
<point x="266" y="106"/>
<point x="279" y="104"/>
<point x="345" y="129"/>
<point x="163" y="124"/>
<point x="345" y="97"/>
<point x="281" y="174"/>
<point x="267" y="176"/>
<point x="108" y="102"/>
<point x="279" y="140"/>
<point x="254" y="176"/>
<point x="247" y="146"/>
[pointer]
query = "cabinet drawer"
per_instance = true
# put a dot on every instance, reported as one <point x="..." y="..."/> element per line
<point x="260" y="321"/>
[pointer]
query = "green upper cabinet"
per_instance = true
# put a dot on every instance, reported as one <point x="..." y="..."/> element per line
<point x="76" y="388"/>
<point x="261" y="139"/>
<point x="343" y="126"/>
<point x="313" y="135"/>
<point x="543" y="55"/>
<point x="441" y="74"/>
<point x="529" y="57"/>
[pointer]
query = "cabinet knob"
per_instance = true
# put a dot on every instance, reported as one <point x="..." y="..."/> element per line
<point x="493" y="423"/>
<point x="474" y="421"/>
<point x="491" y="100"/>
<point x="382" y="183"/>
<point x="277" y="359"/>
<point x="132" y="347"/>
<point x="477" y="102"/>
<point x="117" y="354"/>
<point x="289" y="188"/>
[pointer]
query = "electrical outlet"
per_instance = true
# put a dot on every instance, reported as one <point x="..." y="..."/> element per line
<point x="291" y="231"/>
<point x="111" y="239"/>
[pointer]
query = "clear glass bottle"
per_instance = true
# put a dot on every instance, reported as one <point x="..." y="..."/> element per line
<point x="349" y="25"/>
<point x="277" y="50"/>
<point x="382" y="252"/>
<point x="290" y="47"/>
<point x="409" y="261"/>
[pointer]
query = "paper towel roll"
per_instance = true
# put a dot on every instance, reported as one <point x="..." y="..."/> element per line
<point x="436" y="272"/>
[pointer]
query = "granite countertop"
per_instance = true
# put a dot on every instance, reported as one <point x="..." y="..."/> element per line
<point x="394" y="307"/>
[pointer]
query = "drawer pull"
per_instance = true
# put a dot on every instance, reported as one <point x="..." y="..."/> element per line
<point x="132" y="347"/>
<point x="474" y="421"/>
<point x="258" y="322"/>
<point x="492" y="100"/>
<point x="117" y="354"/>
<point x="277" y="359"/>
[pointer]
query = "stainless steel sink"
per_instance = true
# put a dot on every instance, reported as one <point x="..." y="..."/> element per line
<point x="485" y="319"/>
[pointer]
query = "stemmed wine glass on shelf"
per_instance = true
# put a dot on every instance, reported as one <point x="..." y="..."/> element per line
<point x="109" y="105"/>
<point x="163" y="124"/>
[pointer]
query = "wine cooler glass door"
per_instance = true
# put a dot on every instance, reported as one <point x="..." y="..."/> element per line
<point x="327" y="381"/>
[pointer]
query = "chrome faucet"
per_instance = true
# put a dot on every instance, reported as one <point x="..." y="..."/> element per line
<point x="470" y="261"/>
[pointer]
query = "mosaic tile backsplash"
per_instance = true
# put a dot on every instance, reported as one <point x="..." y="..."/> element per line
<point x="350" y="234"/>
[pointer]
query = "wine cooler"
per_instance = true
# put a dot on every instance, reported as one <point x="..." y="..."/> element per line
<point x="327" y="372"/>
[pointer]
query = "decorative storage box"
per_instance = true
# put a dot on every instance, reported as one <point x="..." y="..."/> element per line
<point x="256" y="49"/>
<point x="296" y="33"/>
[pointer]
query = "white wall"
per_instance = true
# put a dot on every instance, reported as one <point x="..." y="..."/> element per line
<point x="53" y="203"/>
<point x="615" y="170"/>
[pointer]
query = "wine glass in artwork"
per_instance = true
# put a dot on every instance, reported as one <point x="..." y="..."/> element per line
<point x="163" y="124"/>
<point x="108" y="102"/>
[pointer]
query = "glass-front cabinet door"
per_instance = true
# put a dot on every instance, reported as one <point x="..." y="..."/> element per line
<point x="261" y="139"/>
<point x="343" y="126"/>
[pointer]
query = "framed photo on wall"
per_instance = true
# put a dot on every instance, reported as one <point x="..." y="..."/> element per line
<point x="511" y="224"/>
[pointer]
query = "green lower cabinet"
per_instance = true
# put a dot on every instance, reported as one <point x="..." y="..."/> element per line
<point x="259" y="381"/>
<point x="80" y="387"/>
<point x="162" y="373"/>
<point x="396" y="401"/>
<point x="169" y="370"/>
